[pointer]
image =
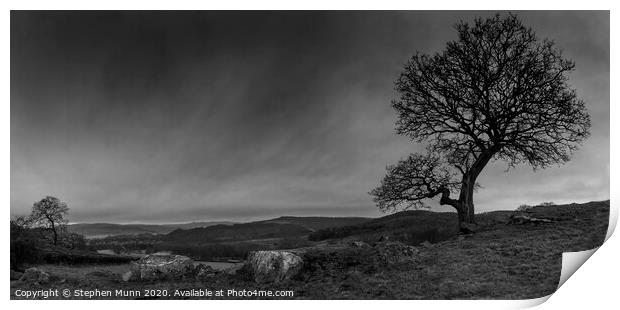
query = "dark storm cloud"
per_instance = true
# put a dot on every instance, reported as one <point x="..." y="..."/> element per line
<point x="178" y="116"/>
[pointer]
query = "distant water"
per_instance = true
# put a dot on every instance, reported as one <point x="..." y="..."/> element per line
<point x="108" y="252"/>
<point x="162" y="253"/>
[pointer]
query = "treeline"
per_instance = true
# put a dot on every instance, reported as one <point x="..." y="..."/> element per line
<point x="126" y="243"/>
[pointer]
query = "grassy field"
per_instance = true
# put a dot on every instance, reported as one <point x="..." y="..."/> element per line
<point x="500" y="262"/>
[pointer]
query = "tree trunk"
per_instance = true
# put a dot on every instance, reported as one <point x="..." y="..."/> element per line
<point x="465" y="209"/>
<point x="55" y="234"/>
<point x="465" y="204"/>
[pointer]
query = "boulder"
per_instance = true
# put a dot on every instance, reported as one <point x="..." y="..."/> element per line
<point x="129" y="276"/>
<point x="160" y="267"/>
<point x="204" y="272"/>
<point x="274" y="266"/>
<point x="520" y="219"/>
<point x="16" y="275"/>
<point x="359" y="244"/>
<point x="396" y="252"/>
<point x="35" y="276"/>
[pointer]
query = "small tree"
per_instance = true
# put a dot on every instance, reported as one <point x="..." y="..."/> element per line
<point x="50" y="213"/>
<point x="496" y="93"/>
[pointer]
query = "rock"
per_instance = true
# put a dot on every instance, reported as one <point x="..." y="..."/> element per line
<point x="520" y="219"/>
<point x="36" y="276"/>
<point x="396" y="252"/>
<point x="359" y="244"/>
<point x="274" y="266"/>
<point x="204" y="272"/>
<point x="161" y="267"/>
<point x="129" y="276"/>
<point x="16" y="275"/>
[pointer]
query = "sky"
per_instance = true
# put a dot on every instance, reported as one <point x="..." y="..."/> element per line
<point x="143" y="117"/>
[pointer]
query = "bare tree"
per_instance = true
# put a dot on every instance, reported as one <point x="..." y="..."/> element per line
<point x="50" y="213"/>
<point x="496" y="93"/>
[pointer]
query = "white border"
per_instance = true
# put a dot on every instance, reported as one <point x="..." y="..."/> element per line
<point x="594" y="284"/>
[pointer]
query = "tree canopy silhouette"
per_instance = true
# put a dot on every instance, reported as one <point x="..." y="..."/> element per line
<point x="498" y="92"/>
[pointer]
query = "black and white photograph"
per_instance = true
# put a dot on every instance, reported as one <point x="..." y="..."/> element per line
<point x="314" y="155"/>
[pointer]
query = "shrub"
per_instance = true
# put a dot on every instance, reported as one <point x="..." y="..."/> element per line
<point x="524" y="207"/>
<point x="547" y="204"/>
<point x="23" y="250"/>
<point x="72" y="241"/>
<point x="24" y="245"/>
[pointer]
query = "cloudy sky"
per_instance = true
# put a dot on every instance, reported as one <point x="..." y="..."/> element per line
<point x="174" y="117"/>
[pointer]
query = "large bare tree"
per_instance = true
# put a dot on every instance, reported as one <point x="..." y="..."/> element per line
<point x="498" y="92"/>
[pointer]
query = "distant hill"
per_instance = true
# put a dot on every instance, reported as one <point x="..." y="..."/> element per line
<point x="309" y="224"/>
<point x="100" y="230"/>
<point x="318" y="222"/>
<point x="220" y="242"/>
<point x="281" y="227"/>
<point x="235" y="232"/>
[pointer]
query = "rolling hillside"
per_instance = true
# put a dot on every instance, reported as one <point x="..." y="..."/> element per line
<point x="318" y="222"/>
<point x="504" y="260"/>
<point x="235" y="232"/>
<point x="218" y="242"/>
<point x="100" y="230"/>
<point x="310" y="223"/>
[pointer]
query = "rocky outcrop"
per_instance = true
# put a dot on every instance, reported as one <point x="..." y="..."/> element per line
<point x="274" y="266"/>
<point x="521" y="219"/>
<point x="35" y="276"/>
<point x="160" y="267"/>
<point x="396" y="252"/>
